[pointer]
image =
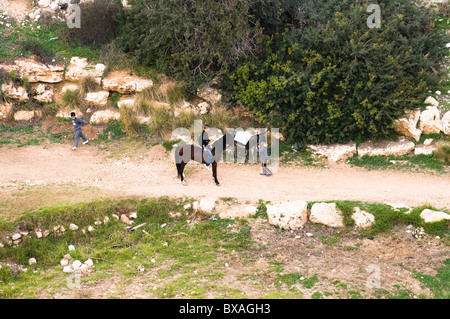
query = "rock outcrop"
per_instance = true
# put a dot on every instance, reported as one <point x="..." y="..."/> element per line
<point x="326" y="214"/>
<point x="288" y="215"/>
<point x="104" y="116"/>
<point x="407" y="125"/>
<point x="80" y="68"/>
<point x="430" y="216"/>
<point x="430" y="120"/>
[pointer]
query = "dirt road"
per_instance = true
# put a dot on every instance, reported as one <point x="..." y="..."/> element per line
<point x="153" y="174"/>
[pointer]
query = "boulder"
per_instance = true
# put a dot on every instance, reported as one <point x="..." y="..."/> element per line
<point x="103" y="117"/>
<point x="207" y="204"/>
<point x="327" y="214"/>
<point x="44" y="95"/>
<point x="210" y="95"/>
<point x="14" y="93"/>
<point x="125" y="84"/>
<point x="334" y="152"/>
<point x="386" y="148"/>
<point x="39" y="72"/>
<point x="445" y="123"/>
<point x="5" y="110"/>
<point x="80" y="68"/>
<point x="97" y="98"/>
<point x="69" y="87"/>
<point x="288" y="215"/>
<point x="430" y="216"/>
<point x="431" y="101"/>
<point x="425" y="150"/>
<point x="407" y="125"/>
<point x="430" y="120"/>
<point x="241" y="211"/>
<point x="65" y="112"/>
<point x="362" y="218"/>
<point x="24" y="115"/>
<point x="124" y="219"/>
<point x="126" y="101"/>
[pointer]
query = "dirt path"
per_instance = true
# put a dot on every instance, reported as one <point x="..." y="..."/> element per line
<point x="154" y="174"/>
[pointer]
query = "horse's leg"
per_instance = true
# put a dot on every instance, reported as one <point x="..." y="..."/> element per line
<point x="181" y="173"/>
<point x="214" y="169"/>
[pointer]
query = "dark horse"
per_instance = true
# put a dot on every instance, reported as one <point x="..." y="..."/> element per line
<point x="186" y="153"/>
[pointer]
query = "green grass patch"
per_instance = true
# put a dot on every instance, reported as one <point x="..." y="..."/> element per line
<point x="406" y="162"/>
<point x="438" y="284"/>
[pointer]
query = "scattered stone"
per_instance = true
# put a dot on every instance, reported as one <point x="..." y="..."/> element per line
<point x="37" y="71"/>
<point x="67" y="256"/>
<point x="407" y="125"/>
<point x="210" y="95"/>
<point x="76" y="264"/>
<point x="426" y="150"/>
<point x="431" y="101"/>
<point x="97" y="222"/>
<point x="97" y="98"/>
<point x="327" y="214"/>
<point x="68" y="269"/>
<point x="133" y="215"/>
<point x="430" y="216"/>
<point x="73" y="227"/>
<point x="240" y="211"/>
<point x="125" y="84"/>
<point x="288" y="215"/>
<point x="80" y="68"/>
<point x="207" y="204"/>
<point x="445" y="123"/>
<point x="64" y="262"/>
<point x="187" y="206"/>
<point x="5" y="110"/>
<point x="124" y="219"/>
<point x="69" y="87"/>
<point x="103" y="117"/>
<point x="105" y="220"/>
<point x="430" y="122"/>
<point x="428" y="142"/>
<point x="71" y="248"/>
<point x="24" y="115"/>
<point x="395" y="148"/>
<point x="362" y="218"/>
<point x="31" y="261"/>
<point x="140" y="268"/>
<point x="89" y="263"/>
<point x="334" y="152"/>
<point x="90" y="228"/>
<point x="45" y="233"/>
<point x="309" y="234"/>
<point x="16" y="237"/>
<point x="115" y="216"/>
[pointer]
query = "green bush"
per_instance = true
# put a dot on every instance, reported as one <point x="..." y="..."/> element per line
<point x="189" y="40"/>
<point x="99" y="23"/>
<point x="336" y="79"/>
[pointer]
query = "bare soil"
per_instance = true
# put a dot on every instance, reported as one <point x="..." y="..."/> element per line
<point x="153" y="173"/>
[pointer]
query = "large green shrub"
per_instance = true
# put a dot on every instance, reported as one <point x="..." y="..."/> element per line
<point x="336" y="79"/>
<point x="191" y="40"/>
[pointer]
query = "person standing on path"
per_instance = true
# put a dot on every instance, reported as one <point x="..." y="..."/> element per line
<point x="263" y="155"/>
<point x="77" y="125"/>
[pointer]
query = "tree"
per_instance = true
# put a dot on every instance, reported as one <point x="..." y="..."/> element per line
<point x="336" y="79"/>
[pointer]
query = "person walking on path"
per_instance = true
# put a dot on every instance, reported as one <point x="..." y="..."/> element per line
<point x="77" y="125"/>
<point x="263" y="155"/>
<point x="204" y="142"/>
